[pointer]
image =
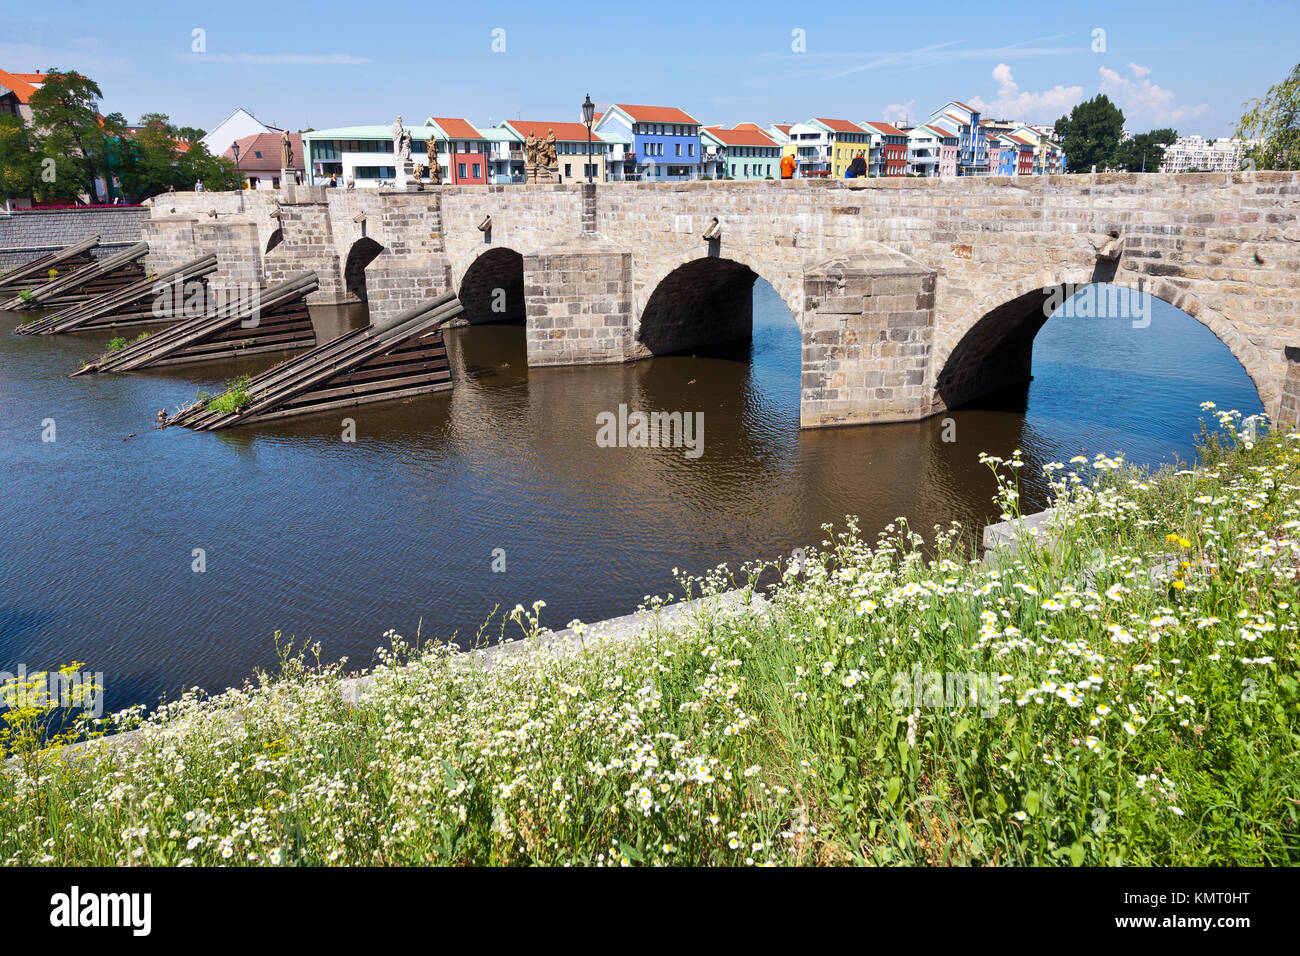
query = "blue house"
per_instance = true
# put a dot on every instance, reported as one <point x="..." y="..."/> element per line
<point x="665" y="141"/>
<point x="956" y="117"/>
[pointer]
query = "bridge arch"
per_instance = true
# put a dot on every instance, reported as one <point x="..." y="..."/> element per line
<point x="990" y="345"/>
<point x="363" y="252"/>
<point x="700" y="301"/>
<point x="492" y="287"/>
<point x="786" y="280"/>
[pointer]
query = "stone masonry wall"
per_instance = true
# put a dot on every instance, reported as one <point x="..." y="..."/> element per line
<point x="579" y="304"/>
<point x="27" y="234"/>
<point x="868" y="331"/>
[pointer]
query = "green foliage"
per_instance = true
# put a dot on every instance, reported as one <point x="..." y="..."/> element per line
<point x="66" y="111"/>
<point x="116" y="344"/>
<point x="1145" y="151"/>
<point x="235" y="397"/>
<point x="1275" y="120"/>
<point x="1090" y="134"/>
<point x="20" y="165"/>
<point x="27" y="295"/>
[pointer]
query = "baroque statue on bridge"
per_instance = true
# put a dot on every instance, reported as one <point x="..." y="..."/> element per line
<point x="401" y="141"/>
<point x="286" y="150"/>
<point x="435" y="167"/>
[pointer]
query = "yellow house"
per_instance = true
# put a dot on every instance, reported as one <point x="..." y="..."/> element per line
<point x="847" y="140"/>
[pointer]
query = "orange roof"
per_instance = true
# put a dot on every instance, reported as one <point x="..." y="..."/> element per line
<point x="22" y="83"/>
<point x="268" y="144"/>
<point x="656" y="114"/>
<point x="784" y="129"/>
<point x="455" y="128"/>
<point x="885" y="128"/>
<point x="569" y="132"/>
<point x="840" y="126"/>
<point x="741" y="137"/>
<point x="749" y="126"/>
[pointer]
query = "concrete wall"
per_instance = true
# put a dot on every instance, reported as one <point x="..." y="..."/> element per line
<point x="1223" y="247"/>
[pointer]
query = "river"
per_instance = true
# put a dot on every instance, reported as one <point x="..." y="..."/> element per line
<point x="494" y="493"/>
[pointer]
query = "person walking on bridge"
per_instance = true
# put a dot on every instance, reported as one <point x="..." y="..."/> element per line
<point x="787" y="166"/>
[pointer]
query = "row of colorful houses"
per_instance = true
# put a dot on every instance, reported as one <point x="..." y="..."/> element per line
<point x="630" y="142"/>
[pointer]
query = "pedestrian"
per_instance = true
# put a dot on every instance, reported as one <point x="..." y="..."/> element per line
<point x="787" y="166"/>
<point x="858" y="168"/>
<point x="198" y="185"/>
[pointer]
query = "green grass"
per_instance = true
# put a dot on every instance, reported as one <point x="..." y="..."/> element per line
<point x="235" y="397"/>
<point x="1139" y="719"/>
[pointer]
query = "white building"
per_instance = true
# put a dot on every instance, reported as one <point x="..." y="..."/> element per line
<point x="237" y="125"/>
<point x="812" y="149"/>
<point x="1223" y="155"/>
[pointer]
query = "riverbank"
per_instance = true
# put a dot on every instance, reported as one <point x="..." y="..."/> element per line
<point x="892" y="704"/>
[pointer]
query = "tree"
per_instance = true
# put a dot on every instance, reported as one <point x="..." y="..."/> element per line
<point x="20" y="162"/>
<point x="1145" y="151"/>
<point x="1275" y="121"/>
<point x="71" y="131"/>
<point x="1090" y="134"/>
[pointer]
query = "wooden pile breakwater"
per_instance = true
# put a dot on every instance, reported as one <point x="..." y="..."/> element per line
<point x="32" y="275"/>
<point x="273" y="320"/>
<point x="133" y="304"/>
<point x="400" y="357"/>
<point x="94" y="279"/>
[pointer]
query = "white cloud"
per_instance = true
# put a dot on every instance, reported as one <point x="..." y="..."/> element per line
<point x="1014" y="103"/>
<point x="1143" y="100"/>
<point x="897" y="112"/>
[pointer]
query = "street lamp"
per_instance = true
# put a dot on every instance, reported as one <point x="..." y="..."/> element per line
<point x="235" y="149"/>
<point x="588" y="114"/>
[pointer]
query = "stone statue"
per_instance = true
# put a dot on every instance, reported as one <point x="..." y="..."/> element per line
<point x="435" y="167"/>
<point x="530" y="148"/>
<point x="547" y="151"/>
<point x="418" y="172"/>
<point x="401" y="141"/>
<point x="286" y="150"/>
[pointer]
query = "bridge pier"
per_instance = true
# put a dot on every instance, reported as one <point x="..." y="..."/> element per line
<point x="579" y="303"/>
<point x="867" y="334"/>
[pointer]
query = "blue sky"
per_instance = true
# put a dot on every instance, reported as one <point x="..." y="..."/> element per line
<point x="1190" y="64"/>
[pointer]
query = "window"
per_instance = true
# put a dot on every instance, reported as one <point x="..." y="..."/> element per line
<point x="568" y="170"/>
<point x="257" y="153"/>
<point x="460" y="168"/>
<point x="690" y="149"/>
<point x="679" y="148"/>
<point x="478" y="170"/>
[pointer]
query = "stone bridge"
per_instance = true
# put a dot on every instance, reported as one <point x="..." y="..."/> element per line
<point x="912" y="295"/>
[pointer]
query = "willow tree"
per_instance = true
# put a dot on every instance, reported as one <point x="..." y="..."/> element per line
<point x="1275" y="122"/>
